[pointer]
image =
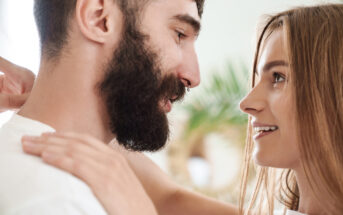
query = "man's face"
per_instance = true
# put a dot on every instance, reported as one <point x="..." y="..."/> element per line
<point x="149" y="70"/>
<point x="173" y="27"/>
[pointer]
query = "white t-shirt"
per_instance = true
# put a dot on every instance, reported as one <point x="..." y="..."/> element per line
<point x="30" y="187"/>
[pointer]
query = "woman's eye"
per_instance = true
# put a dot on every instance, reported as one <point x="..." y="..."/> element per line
<point x="278" y="78"/>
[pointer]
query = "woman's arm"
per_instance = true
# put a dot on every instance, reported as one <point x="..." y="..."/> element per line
<point x="170" y="198"/>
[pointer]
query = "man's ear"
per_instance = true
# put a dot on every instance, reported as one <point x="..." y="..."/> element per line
<point x="98" y="20"/>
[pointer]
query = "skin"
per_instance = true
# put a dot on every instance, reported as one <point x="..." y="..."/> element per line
<point x="177" y="51"/>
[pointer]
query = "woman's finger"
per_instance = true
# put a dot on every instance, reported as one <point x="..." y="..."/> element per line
<point x="107" y="174"/>
<point x="79" y="165"/>
<point x="37" y="145"/>
<point x="71" y="159"/>
<point x="90" y="168"/>
<point x="14" y="71"/>
<point x="72" y="148"/>
<point x="11" y="101"/>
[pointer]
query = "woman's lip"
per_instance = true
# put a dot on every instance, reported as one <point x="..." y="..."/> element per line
<point x="262" y="134"/>
<point x="258" y="124"/>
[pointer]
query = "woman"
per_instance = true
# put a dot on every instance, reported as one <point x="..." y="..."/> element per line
<point x="295" y="112"/>
<point x="295" y="107"/>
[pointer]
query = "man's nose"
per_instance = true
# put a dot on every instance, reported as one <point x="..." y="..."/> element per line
<point x="189" y="72"/>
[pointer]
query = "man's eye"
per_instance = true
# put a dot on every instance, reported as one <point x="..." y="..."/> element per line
<point x="180" y="36"/>
<point x="278" y="78"/>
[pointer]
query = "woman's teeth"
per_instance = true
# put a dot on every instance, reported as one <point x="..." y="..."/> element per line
<point x="265" y="129"/>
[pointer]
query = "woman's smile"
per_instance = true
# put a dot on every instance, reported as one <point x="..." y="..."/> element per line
<point x="262" y="129"/>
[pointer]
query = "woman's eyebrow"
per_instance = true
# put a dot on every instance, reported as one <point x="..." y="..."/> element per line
<point x="268" y="66"/>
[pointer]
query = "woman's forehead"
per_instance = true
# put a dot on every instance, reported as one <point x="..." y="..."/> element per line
<point x="273" y="49"/>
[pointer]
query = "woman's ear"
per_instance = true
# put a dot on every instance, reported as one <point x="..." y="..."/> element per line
<point x="99" y="20"/>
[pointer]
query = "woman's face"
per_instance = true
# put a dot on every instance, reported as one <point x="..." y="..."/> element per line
<point x="271" y="106"/>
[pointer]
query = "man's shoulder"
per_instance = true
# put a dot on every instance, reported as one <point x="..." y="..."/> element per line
<point x="26" y="181"/>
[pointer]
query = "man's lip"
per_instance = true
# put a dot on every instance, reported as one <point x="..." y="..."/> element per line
<point x="174" y="98"/>
<point x="166" y="105"/>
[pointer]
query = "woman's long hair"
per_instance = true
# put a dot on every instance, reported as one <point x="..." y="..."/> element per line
<point x="314" y="37"/>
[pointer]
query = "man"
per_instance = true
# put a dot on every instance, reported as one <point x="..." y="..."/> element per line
<point x="111" y="69"/>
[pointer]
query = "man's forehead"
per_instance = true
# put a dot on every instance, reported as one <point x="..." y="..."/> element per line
<point x="178" y="7"/>
<point x="159" y="13"/>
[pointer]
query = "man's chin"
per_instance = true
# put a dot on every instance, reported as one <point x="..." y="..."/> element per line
<point x="142" y="147"/>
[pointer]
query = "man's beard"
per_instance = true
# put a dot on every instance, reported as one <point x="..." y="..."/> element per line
<point x="133" y="89"/>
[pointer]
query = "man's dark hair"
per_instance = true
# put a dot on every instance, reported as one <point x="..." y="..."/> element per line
<point x="52" y="18"/>
<point x="200" y="5"/>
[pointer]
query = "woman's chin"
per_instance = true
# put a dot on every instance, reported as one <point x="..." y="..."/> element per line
<point x="275" y="160"/>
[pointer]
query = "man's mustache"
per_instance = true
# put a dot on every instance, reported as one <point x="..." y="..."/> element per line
<point x="172" y="88"/>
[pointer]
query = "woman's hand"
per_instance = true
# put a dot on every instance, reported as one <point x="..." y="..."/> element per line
<point x="15" y="85"/>
<point x="104" y="169"/>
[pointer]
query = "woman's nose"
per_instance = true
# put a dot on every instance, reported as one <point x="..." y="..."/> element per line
<point x="254" y="102"/>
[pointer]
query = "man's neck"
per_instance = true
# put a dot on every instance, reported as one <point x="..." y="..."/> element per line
<point x="65" y="97"/>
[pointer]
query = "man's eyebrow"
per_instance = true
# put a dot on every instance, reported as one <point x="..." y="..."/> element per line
<point x="185" y="18"/>
<point x="268" y="66"/>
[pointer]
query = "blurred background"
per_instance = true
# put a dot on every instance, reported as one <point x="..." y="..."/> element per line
<point x="208" y="130"/>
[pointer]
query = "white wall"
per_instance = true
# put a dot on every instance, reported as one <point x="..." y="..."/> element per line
<point x="18" y="32"/>
<point x="229" y="28"/>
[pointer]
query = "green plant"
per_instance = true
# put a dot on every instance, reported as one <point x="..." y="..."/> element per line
<point x="217" y="103"/>
<point x="213" y="109"/>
